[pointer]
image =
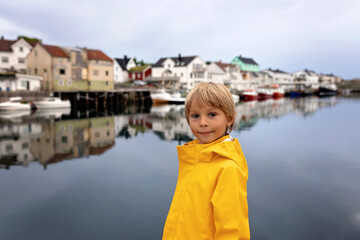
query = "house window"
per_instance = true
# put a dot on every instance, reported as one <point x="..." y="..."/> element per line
<point x="21" y="49"/>
<point x="45" y="70"/>
<point x="64" y="139"/>
<point x="5" y="59"/>
<point x="138" y="75"/>
<point x="24" y="145"/>
<point x="61" y="82"/>
<point x="106" y="83"/>
<point x="21" y="60"/>
<point x="97" y="134"/>
<point x="35" y="70"/>
<point x="29" y="71"/>
<point x="168" y="65"/>
<point x="96" y="72"/>
<point x="107" y="73"/>
<point x="8" y="148"/>
<point x="62" y="71"/>
<point x="69" y="82"/>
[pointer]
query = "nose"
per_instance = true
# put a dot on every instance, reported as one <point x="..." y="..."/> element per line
<point x="203" y="122"/>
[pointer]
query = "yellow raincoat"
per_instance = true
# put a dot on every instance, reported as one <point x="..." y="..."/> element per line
<point x="210" y="199"/>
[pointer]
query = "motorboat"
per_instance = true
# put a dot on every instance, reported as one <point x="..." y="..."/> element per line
<point x="236" y="98"/>
<point x="327" y="90"/>
<point x="51" y="103"/>
<point x="250" y="95"/>
<point x="265" y="93"/>
<point x="278" y="92"/>
<point x="163" y="97"/>
<point x="17" y="104"/>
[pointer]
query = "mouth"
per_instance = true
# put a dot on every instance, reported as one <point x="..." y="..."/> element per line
<point x="204" y="133"/>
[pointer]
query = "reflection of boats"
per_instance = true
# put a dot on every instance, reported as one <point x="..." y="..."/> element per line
<point x="296" y="93"/>
<point x="16" y="104"/>
<point x="52" y="102"/>
<point x="52" y="113"/>
<point x="278" y="92"/>
<point x="15" y="116"/>
<point x="327" y="90"/>
<point x="250" y="95"/>
<point x="161" y="96"/>
<point x="265" y="93"/>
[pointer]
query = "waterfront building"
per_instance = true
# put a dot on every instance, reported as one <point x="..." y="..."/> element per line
<point x="19" y="82"/>
<point x="182" y="71"/>
<point x="246" y="64"/>
<point x="282" y="78"/>
<point x="306" y="77"/>
<point x="329" y="79"/>
<point x="215" y="73"/>
<point x="121" y="69"/>
<point x="233" y="76"/>
<point x="70" y="69"/>
<point x="13" y="54"/>
<point x="140" y="72"/>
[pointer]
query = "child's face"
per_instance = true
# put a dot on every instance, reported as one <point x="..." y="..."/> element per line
<point x="207" y="122"/>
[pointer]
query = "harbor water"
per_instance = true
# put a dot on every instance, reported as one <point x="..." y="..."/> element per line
<point x="112" y="176"/>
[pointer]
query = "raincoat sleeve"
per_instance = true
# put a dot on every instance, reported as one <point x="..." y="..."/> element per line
<point x="229" y="202"/>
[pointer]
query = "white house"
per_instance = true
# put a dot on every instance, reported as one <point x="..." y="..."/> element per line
<point x="189" y="70"/>
<point x="13" y="54"/>
<point x="121" y="68"/>
<point x="20" y="82"/>
<point x="284" y="79"/>
<point x="306" y="77"/>
<point x="215" y="73"/>
<point x="233" y="76"/>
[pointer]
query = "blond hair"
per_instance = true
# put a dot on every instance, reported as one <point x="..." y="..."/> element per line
<point x="214" y="94"/>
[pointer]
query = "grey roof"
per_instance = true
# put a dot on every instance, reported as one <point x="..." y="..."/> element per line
<point x="276" y="71"/>
<point x="309" y="72"/>
<point x="247" y="60"/>
<point x="179" y="62"/>
<point x="122" y="62"/>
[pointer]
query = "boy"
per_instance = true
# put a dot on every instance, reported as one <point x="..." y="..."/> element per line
<point x="210" y="199"/>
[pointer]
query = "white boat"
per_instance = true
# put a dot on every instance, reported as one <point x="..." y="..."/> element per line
<point x="162" y="96"/>
<point x="16" y="104"/>
<point x="52" y="102"/>
<point x="236" y="98"/>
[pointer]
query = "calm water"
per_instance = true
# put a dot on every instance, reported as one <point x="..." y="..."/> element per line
<point x="113" y="177"/>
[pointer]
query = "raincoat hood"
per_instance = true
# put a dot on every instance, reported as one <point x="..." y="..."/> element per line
<point x="225" y="147"/>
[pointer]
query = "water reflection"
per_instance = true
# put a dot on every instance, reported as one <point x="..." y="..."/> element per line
<point x="54" y="136"/>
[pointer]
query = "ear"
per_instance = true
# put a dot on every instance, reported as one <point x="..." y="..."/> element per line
<point x="230" y="122"/>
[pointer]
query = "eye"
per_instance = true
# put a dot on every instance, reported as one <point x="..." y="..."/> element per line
<point x="212" y="114"/>
<point x="194" y="116"/>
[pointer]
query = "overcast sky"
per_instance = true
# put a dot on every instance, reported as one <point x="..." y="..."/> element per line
<point x="322" y="35"/>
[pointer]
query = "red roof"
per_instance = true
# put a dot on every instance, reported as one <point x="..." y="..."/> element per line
<point x="97" y="55"/>
<point x="55" y="51"/>
<point x="224" y="65"/>
<point x="5" y="45"/>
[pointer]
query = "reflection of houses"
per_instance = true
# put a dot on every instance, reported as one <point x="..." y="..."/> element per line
<point x="55" y="141"/>
<point x="13" y="54"/>
<point x="15" y="143"/>
<point x="121" y="68"/>
<point x="188" y="70"/>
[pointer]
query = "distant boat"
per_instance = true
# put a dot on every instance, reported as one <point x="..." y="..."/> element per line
<point x="327" y="90"/>
<point x="163" y="97"/>
<point x="236" y="98"/>
<point x="51" y="103"/>
<point x="265" y="93"/>
<point x="250" y="95"/>
<point x="278" y="92"/>
<point x="17" y="104"/>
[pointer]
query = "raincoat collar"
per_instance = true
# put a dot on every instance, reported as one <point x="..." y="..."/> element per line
<point x="226" y="147"/>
